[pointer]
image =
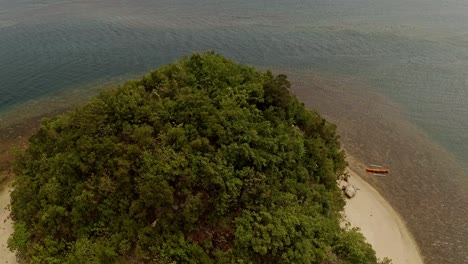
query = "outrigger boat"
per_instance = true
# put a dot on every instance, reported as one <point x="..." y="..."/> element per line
<point x="376" y="170"/>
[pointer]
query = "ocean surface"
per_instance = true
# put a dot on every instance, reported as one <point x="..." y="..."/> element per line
<point x="412" y="52"/>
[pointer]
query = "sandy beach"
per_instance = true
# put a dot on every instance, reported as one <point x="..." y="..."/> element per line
<point x="380" y="224"/>
<point x="6" y="227"/>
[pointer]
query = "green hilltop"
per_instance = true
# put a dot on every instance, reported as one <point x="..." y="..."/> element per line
<point x="201" y="161"/>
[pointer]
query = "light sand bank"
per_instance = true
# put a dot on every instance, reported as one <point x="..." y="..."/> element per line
<point x="6" y="227"/>
<point x="380" y="224"/>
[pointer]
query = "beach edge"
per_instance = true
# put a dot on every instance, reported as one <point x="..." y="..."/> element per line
<point x="380" y="224"/>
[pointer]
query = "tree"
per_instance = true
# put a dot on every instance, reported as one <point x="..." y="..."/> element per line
<point x="200" y="161"/>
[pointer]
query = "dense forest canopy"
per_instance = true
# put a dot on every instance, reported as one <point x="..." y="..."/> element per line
<point x="200" y="161"/>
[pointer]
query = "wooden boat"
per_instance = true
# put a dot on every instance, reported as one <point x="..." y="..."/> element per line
<point x="375" y="170"/>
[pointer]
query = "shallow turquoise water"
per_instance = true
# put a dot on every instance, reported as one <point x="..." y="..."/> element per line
<point x="415" y="52"/>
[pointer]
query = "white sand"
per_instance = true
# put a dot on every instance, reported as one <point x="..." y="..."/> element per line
<point x="6" y="228"/>
<point x="380" y="224"/>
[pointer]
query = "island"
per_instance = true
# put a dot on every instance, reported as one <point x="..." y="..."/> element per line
<point x="201" y="161"/>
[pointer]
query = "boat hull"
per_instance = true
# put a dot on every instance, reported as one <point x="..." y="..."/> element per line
<point x="377" y="170"/>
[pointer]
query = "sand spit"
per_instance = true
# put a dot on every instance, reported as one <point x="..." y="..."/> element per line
<point x="380" y="224"/>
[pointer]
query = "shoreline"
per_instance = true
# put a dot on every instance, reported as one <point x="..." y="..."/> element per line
<point x="6" y="226"/>
<point x="427" y="187"/>
<point x="367" y="210"/>
<point x="356" y="210"/>
<point x="380" y="224"/>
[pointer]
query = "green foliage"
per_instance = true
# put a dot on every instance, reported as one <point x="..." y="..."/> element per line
<point x="200" y="161"/>
<point x="20" y="239"/>
<point x="352" y="248"/>
<point x="385" y="260"/>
